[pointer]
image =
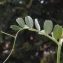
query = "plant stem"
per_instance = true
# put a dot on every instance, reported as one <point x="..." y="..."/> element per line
<point x="41" y="33"/>
<point x="10" y="51"/>
<point x="12" y="46"/>
<point x="7" y="34"/>
<point x="58" y="53"/>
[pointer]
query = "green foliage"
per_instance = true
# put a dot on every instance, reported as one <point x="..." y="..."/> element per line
<point x="37" y="25"/>
<point x="20" y="21"/>
<point x="48" y="25"/>
<point x="57" y="32"/>
<point x="11" y="9"/>
<point x="15" y="27"/>
<point x="29" y="21"/>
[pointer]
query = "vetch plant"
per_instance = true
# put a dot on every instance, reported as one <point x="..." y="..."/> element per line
<point x="56" y="33"/>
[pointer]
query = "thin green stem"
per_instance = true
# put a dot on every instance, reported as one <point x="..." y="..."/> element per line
<point x="54" y="40"/>
<point x="41" y="33"/>
<point x="10" y="51"/>
<point x="7" y="34"/>
<point x="13" y="46"/>
<point x="58" y="54"/>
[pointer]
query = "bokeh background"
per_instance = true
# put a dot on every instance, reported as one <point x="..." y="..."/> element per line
<point x="30" y="46"/>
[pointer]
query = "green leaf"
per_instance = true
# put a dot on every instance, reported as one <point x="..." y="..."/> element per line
<point x="29" y="21"/>
<point x="57" y="31"/>
<point x="15" y="27"/>
<point x="48" y="25"/>
<point x="37" y="24"/>
<point x="20" y="21"/>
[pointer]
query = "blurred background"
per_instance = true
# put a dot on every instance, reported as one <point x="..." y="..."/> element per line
<point x="30" y="46"/>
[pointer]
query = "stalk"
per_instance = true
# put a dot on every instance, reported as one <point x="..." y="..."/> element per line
<point x="58" y="54"/>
